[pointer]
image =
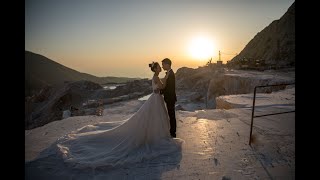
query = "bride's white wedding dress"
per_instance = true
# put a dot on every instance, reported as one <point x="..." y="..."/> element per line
<point x="145" y="135"/>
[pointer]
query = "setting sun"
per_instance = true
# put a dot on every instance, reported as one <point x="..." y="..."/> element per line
<point x="201" y="48"/>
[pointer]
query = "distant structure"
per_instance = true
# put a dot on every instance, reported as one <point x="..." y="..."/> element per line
<point x="219" y="62"/>
<point x="216" y="67"/>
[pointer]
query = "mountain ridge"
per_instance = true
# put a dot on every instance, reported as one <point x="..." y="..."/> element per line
<point x="272" y="46"/>
<point x="41" y="71"/>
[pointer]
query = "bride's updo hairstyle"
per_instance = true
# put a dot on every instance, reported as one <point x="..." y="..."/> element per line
<point x="153" y="66"/>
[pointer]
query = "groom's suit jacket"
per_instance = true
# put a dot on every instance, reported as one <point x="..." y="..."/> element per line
<point x="169" y="92"/>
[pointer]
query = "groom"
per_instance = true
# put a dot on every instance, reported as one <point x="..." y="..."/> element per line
<point x="169" y="93"/>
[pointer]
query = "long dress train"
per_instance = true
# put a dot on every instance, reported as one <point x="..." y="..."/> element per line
<point x="145" y="135"/>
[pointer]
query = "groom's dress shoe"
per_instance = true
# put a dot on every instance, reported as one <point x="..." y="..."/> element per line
<point x="173" y="135"/>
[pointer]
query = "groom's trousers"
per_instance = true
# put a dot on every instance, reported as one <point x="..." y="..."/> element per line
<point x="172" y="116"/>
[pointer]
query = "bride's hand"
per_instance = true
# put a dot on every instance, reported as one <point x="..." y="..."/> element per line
<point x="164" y="78"/>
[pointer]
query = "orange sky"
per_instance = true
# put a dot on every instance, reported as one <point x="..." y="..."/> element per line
<point x="111" y="38"/>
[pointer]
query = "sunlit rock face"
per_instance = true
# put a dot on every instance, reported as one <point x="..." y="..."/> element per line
<point x="204" y="84"/>
<point x="193" y="79"/>
<point x="192" y="85"/>
<point x="243" y="83"/>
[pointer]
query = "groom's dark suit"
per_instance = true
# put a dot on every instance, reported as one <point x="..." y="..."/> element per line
<point x="169" y="93"/>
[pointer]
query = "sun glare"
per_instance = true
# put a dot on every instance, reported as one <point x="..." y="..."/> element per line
<point x="201" y="48"/>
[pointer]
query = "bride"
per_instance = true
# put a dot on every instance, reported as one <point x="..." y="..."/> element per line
<point x="145" y="135"/>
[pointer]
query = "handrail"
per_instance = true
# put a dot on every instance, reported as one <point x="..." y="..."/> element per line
<point x="253" y="105"/>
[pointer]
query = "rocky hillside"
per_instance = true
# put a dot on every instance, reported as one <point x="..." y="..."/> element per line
<point x="274" y="46"/>
<point x="41" y="72"/>
<point x="201" y="86"/>
<point x="80" y="98"/>
<point x="50" y="102"/>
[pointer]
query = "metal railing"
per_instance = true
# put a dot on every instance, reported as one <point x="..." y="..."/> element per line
<point x="253" y="105"/>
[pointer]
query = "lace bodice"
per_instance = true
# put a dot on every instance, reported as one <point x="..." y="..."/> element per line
<point x="154" y="85"/>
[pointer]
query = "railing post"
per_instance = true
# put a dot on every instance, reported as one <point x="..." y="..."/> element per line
<point x="253" y="106"/>
<point x="254" y="100"/>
